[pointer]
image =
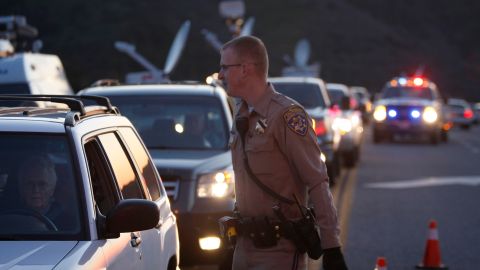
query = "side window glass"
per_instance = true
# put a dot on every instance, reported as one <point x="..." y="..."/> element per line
<point x="102" y="183"/>
<point x="143" y="161"/>
<point x="122" y="168"/>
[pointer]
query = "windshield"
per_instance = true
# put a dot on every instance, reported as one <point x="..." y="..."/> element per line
<point x="38" y="195"/>
<point x="176" y="122"/>
<point x="407" y="92"/>
<point x="336" y="96"/>
<point x="307" y="94"/>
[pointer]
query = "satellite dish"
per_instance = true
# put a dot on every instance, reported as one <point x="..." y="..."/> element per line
<point x="247" y="28"/>
<point x="177" y="48"/>
<point x="302" y="53"/>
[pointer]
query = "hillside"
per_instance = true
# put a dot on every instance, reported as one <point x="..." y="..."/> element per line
<point x="361" y="42"/>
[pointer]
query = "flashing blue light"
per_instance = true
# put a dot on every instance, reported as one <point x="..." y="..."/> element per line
<point x="415" y="113"/>
<point x="392" y="113"/>
<point x="402" y="81"/>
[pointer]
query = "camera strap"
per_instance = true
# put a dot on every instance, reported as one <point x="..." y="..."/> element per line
<point x="241" y="124"/>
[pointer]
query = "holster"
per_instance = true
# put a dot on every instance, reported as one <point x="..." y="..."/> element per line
<point x="263" y="231"/>
<point x="229" y="228"/>
<point x="306" y="237"/>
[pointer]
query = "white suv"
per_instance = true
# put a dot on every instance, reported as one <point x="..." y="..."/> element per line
<point x="78" y="190"/>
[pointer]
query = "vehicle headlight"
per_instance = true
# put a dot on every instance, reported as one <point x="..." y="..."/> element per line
<point x="219" y="184"/>
<point x="380" y="113"/>
<point x="430" y="115"/>
<point x="344" y="125"/>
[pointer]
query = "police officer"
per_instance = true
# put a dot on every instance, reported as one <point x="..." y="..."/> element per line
<point x="282" y="153"/>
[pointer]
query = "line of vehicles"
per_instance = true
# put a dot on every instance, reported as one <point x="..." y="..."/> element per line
<point x="172" y="139"/>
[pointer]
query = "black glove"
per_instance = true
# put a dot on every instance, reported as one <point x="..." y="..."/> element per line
<point x="333" y="259"/>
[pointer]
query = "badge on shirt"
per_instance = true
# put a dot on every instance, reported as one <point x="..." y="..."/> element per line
<point x="296" y="120"/>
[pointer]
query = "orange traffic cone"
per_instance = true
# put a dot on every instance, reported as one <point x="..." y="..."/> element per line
<point x="431" y="258"/>
<point x="381" y="264"/>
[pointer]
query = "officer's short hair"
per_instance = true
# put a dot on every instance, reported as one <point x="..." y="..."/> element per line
<point x="250" y="48"/>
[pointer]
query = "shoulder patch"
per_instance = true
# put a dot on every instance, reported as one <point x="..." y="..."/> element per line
<point x="296" y="120"/>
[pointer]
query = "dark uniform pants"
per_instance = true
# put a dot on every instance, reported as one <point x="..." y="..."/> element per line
<point x="280" y="257"/>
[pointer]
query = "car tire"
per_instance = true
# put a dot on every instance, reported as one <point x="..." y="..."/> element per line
<point x="377" y="138"/>
<point x="444" y="136"/>
<point x="350" y="158"/>
<point x="435" y="138"/>
<point x="226" y="260"/>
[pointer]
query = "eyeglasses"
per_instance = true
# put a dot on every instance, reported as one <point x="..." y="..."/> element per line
<point x="226" y="67"/>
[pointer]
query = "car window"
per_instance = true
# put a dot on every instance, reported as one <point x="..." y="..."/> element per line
<point x="38" y="188"/>
<point x="143" y="161"/>
<point x="307" y="94"/>
<point x="125" y="176"/>
<point x="336" y="96"/>
<point x="104" y="190"/>
<point x="407" y="92"/>
<point x="177" y="122"/>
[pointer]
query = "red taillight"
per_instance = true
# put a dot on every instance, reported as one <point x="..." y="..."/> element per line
<point x="467" y="113"/>
<point x="320" y="128"/>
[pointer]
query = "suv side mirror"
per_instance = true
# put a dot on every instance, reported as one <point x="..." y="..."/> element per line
<point x="132" y="215"/>
<point x="345" y="103"/>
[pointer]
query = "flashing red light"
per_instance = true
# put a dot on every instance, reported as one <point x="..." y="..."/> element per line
<point x="468" y="113"/>
<point x="418" y="81"/>
<point x="320" y="128"/>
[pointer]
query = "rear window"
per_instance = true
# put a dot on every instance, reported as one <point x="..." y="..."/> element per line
<point x="307" y="94"/>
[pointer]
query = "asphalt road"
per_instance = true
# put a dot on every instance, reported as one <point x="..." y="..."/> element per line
<point x="386" y="203"/>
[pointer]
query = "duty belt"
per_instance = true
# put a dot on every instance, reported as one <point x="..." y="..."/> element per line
<point x="263" y="231"/>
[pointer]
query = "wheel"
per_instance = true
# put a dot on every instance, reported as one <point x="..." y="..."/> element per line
<point x="465" y="127"/>
<point x="434" y="138"/>
<point x="350" y="158"/>
<point x="227" y="260"/>
<point x="444" y="136"/>
<point x="32" y="213"/>
<point x="376" y="137"/>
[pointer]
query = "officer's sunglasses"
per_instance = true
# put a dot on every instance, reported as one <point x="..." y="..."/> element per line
<point x="226" y="67"/>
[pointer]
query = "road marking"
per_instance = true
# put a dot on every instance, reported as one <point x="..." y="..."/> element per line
<point x="346" y="205"/>
<point x="343" y="197"/>
<point x="428" y="182"/>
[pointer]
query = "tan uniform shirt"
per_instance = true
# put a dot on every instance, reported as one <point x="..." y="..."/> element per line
<point x="284" y="155"/>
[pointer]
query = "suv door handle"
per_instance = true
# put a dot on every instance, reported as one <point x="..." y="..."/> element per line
<point x="136" y="240"/>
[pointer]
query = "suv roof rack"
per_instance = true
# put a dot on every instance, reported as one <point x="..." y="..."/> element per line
<point x="73" y="102"/>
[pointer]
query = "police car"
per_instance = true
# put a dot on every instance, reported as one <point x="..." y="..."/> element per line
<point x="410" y="106"/>
<point x="78" y="190"/>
